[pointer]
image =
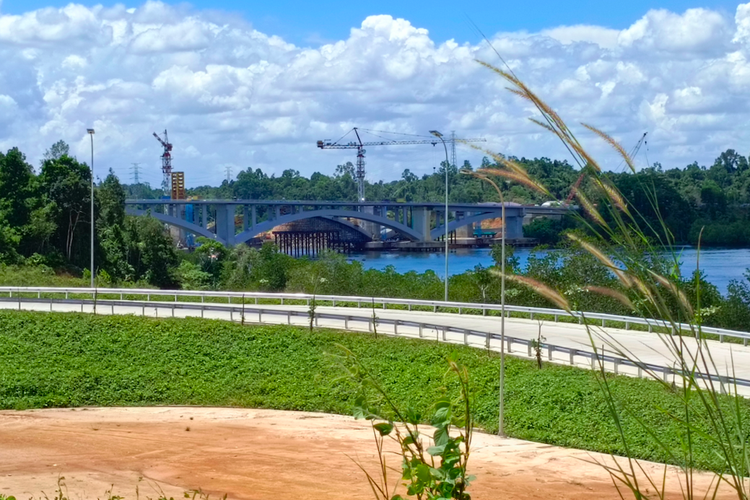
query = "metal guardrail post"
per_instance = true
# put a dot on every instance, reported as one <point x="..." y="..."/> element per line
<point x="289" y="318"/>
<point x="445" y="329"/>
<point x="572" y="356"/>
<point x="466" y="337"/>
<point x="528" y="348"/>
<point x="549" y="352"/>
<point x="395" y="327"/>
<point x="346" y="322"/>
<point x="421" y="334"/>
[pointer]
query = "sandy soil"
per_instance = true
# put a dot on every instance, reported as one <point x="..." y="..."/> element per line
<point x="254" y="454"/>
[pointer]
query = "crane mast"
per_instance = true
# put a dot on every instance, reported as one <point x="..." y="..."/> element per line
<point x="577" y="183"/>
<point x="359" y="145"/>
<point x="166" y="163"/>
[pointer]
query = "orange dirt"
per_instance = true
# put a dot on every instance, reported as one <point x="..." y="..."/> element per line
<point x="255" y="454"/>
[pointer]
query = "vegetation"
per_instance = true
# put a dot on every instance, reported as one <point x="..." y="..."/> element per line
<point x="61" y="360"/>
<point x="624" y="230"/>
<point x="428" y="472"/>
<point x="45" y="221"/>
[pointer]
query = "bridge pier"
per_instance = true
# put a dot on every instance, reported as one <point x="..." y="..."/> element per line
<point x="513" y="228"/>
<point x="420" y="219"/>
<point x="225" y="229"/>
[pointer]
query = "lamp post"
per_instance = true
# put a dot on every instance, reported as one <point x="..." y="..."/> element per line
<point x="440" y="136"/>
<point x="500" y="427"/>
<point x="91" y="134"/>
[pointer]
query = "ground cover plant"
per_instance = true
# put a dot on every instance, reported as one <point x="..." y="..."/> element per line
<point x="65" y="359"/>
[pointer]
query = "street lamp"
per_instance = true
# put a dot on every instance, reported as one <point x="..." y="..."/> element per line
<point x="91" y="134"/>
<point x="500" y="428"/>
<point x="440" y="136"/>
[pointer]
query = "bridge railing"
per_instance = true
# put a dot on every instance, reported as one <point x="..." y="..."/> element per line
<point x="442" y="333"/>
<point x="382" y="302"/>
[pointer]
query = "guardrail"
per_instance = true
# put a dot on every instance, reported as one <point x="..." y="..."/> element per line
<point x="383" y="302"/>
<point x="240" y="313"/>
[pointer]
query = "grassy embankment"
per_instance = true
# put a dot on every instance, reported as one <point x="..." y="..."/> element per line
<point x="58" y="360"/>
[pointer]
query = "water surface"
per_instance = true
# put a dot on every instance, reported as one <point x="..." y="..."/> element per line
<point x="720" y="264"/>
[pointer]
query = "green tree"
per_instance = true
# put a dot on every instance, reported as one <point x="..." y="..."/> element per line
<point x="151" y="252"/>
<point x="16" y="188"/>
<point x="57" y="151"/>
<point x="66" y="183"/>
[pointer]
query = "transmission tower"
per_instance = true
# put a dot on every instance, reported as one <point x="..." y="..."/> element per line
<point x="136" y="170"/>
<point x="228" y="170"/>
<point x="453" y="148"/>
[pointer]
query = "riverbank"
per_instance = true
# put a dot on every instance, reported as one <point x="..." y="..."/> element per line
<point x="721" y="265"/>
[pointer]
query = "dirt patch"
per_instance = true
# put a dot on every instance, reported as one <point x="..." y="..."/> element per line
<point x="254" y="454"/>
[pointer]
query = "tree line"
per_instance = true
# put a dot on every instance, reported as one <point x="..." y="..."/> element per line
<point x="715" y="198"/>
<point x="45" y="224"/>
<point x="45" y="220"/>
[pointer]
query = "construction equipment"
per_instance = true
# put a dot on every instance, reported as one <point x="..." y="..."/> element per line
<point x="632" y="154"/>
<point x="166" y="163"/>
<point x="359" y="146"/>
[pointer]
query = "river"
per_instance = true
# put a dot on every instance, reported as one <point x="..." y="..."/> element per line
<point x="720" y="265"/>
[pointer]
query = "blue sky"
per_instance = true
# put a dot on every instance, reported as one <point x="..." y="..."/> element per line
<point x="306" y="22"/>
<point x="236" y="97"/>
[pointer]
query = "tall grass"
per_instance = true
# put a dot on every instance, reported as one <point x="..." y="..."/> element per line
<point x="622" y="241"/>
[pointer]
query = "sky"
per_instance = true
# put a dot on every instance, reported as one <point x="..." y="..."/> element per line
<point x="255" y="84"/>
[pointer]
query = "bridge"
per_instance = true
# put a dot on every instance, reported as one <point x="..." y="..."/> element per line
<point x="238" y="221"/>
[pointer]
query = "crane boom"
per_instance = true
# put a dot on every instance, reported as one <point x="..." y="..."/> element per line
<point x="359" y="146"/>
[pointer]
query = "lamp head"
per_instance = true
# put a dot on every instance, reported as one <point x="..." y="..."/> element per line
<point x="90" y="131"/>
<point x="436" y="133"/>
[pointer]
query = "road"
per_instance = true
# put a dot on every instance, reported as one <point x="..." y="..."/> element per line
<point x="649" y="348"/>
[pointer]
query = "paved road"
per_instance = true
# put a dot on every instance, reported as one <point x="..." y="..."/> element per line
<point x="646" y="347"/>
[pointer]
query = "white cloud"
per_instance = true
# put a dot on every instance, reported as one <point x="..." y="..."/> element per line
<point x="231" y="95"/>
<point x="604" y="37"/>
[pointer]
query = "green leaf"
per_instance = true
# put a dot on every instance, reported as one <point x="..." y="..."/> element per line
<point x="436" y="450"/>
<point x="384" y="428"/>
<point x="441" y="436"/>
<point x="424" y="474"/>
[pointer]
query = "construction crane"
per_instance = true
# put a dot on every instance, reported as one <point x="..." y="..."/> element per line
<point x="166" y="164"/>
<point x="360" y="147"/>
<point x="632" y="154"/>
